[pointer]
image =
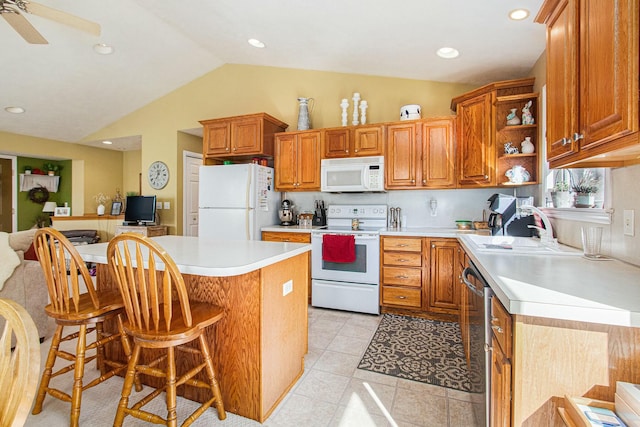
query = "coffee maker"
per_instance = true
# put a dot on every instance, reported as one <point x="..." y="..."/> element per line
<point x="505" y="219"/>
<point x="285" y="213"/>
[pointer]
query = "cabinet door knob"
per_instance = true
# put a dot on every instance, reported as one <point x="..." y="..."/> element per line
<point x="566" y="141"/>
<point x="486" y="177"/>
<point x="433" y="245"/>
<point x="346" y="151"/>
<point x="498" y="329"/>
<point x="424" y="181"/>
<point x="226" y="149"/>
<point x="356" y="150"/>
<point x="577" y="136"/>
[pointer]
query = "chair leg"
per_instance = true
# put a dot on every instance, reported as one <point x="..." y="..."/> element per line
<point x="172" y="415"/>
<point x="215" y="387"/>
<point x="126" y="347"/>
<point x="48" y="367"/>
<point x="78" y="373"/>
<point x="100" y="365"/>
<point x="126" y="388"/>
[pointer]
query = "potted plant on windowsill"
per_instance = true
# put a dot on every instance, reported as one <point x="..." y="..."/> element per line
<point x="585" y="189"/>
<point x="561" y="196"/>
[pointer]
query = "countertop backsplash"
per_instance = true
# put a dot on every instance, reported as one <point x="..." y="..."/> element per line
<point x="452" y="205"/>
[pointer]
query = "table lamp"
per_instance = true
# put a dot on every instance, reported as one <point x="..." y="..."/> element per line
<point x="49" y="207"/>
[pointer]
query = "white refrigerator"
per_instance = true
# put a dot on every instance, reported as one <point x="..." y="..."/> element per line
<point x="236" y="201"/>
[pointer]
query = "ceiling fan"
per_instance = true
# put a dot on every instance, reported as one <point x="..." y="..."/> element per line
<point x="12" y="11"/>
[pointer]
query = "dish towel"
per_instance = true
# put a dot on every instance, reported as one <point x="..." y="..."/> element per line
<point x="10" y="259"/>
<point x="338" y="248"/>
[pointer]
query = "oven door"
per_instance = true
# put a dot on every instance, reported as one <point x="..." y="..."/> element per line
<point x="365" y="269"/>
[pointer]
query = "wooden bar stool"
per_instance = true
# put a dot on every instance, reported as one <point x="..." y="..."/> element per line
<point x="20" y="365"/>
<point x="85" y="312"/>
<point x="160" y="316"/>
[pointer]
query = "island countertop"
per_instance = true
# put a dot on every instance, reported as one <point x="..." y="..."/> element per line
<point x="211" y="257"/>
<point x="562" y="287"/>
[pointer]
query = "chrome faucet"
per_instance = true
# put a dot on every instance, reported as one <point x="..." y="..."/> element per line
<point x="546" y="233"/>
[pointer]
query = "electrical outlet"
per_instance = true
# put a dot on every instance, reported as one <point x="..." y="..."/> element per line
<point x="287" y="287"/>
<point x="158" y="205"/>
<point x="167" y="205"/>
<point x="629" y="222"/>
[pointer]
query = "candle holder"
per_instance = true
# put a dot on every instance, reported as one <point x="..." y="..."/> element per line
<point x="356" y="98"/>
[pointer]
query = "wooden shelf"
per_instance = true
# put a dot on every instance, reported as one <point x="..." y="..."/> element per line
<point x="519" y="97"/>
<point x="517" y="155"/>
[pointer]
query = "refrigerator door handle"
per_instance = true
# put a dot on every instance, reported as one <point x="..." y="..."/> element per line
<point x="247" y="192"/>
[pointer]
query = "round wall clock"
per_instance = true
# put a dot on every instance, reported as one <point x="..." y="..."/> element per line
<point x="158" y="175"/>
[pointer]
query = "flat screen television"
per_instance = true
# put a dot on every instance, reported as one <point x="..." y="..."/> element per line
<point x="140" y="210"/>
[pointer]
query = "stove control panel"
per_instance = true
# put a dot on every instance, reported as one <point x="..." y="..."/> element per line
<point x="357" y="211"/>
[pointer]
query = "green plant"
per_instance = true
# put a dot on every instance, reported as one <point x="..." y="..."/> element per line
<point x="562" y="180"/>
<point x="48" y="166"/>
<point x="561" y="186"/>
<point x="587" y="183"/>
<point x="28" y="168"/>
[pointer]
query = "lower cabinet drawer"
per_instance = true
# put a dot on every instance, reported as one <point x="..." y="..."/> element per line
<point x="401" y="296"/>
<point x="402" y="276"/>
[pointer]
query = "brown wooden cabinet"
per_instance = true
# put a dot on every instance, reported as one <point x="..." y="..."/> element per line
<point x="297" y="161"/>
<point x="240" y="136"/>
<point x="443" y="292"/>
<point x="401" y="275"/>
<point x="419" y="274"/>
<point x="353" y="141"/>
<point x="478" y="118"/>
<point x="421" y="154"/>
<point x="286" y="236"/>
<point x="592" y="81"/>
<point x="501" y="354"/>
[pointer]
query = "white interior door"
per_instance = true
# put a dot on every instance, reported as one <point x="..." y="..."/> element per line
<point x="192" y="163"/>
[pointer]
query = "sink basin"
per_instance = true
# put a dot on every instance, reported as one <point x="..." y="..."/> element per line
<point x="517" y="245"/>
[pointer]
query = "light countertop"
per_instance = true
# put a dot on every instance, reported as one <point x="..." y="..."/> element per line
<point x="562" y="287"/>
<point x="209" y="257"/>
<point x="291" y="228"/>
<point x="452" y="232"/>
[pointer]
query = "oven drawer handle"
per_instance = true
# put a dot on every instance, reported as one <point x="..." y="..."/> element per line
<point x="470" y="272"/>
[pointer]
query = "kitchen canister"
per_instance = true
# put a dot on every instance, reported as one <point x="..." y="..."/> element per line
<point x="410" y="112"/>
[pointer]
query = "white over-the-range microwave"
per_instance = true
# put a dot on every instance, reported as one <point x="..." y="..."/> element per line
<point x="352" y="174"/>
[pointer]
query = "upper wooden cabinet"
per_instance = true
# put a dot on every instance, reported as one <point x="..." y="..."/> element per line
<point x="353" y="141"/>
<point x="420" y="154"/>
<point x="592" y="82"/>
<point x="249" y="135"/>
<point x="480" y="117"/>
<point x="297" y="161"/>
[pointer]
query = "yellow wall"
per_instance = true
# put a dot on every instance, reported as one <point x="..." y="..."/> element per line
<point x="103" y="168"/>
<point x="240" y="89"/>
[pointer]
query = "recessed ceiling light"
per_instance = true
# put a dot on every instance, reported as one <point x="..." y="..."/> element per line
<point x="256" y="43"/>
<point x="14" y="110"/>
<point x="107" y="142"/>
<point x="519" y="14"/>
<point x="447" y="53"/>
<point x="103" y="49"/>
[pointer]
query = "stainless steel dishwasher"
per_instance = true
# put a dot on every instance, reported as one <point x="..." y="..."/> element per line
<point x="478" y="331"/>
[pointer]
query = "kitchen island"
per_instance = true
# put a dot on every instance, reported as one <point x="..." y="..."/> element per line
<point x="259" y="345"/>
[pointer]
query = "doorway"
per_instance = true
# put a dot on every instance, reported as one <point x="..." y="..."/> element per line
<point x="7" y="194"/>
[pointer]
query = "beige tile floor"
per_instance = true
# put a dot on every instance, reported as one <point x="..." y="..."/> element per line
<point x="331" y="392"/>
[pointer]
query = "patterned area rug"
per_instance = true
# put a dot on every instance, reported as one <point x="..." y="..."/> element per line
<point x="422" y="350"/>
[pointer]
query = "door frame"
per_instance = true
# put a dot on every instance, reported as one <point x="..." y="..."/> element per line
<point x="186" y="155"/>
<point x="14" y="190"/>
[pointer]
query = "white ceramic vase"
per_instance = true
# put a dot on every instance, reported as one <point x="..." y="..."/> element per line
<point x="101" y="209"/>
<point x="527" y="146"/>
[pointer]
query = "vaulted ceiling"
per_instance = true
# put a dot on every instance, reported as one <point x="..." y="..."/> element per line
<point x="69" y="91"/>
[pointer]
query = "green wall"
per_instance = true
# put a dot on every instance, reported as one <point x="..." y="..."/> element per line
<point x="29" y="211"/>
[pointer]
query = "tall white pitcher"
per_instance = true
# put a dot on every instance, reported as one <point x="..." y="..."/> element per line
<point x="304" y="108"/>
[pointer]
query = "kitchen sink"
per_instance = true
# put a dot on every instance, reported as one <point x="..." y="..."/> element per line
<point x="517" y="245"/>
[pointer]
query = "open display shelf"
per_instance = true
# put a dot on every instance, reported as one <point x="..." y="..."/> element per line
<point x="515" y="134"/>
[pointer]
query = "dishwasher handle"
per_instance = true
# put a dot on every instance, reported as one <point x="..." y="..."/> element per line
<point x="469" y="271"/>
